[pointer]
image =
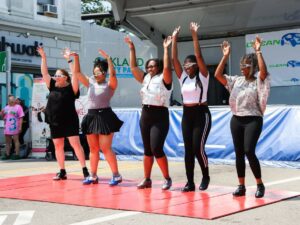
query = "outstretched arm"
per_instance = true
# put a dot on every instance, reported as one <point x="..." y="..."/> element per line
<point x="77" y="73"/>
<point x="167" y="72"/>
<point x="113" y="82"/>
<point x="44" y="67"/>
<point x="74" y="80"/>
<point x="202" y="66"/>
<point x="261" y="62"/>
<point x="219" y="71"/>
<point x="136" y="71"/>
<point x="175" y="60"/>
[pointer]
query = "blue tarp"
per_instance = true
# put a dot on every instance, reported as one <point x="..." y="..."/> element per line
<point x="279" y="140"/>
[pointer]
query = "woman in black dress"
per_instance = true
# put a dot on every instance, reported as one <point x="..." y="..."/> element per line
<point x="61" y="114"/>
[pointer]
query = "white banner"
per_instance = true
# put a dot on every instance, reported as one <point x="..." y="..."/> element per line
<point x="39" y="128"/>
<point x="281" y="51"/>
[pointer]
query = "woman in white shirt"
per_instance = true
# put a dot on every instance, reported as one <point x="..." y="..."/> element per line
<point x="196" y="119"/>
<point x="248" y="98"/>
<point x="154" y="123"/>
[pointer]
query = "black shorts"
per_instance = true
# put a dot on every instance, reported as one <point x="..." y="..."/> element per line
<point x="101" y="121"/>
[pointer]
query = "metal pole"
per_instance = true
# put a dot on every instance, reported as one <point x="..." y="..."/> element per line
<point x="8" y="71"/>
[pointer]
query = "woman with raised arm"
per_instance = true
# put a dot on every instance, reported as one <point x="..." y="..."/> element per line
<point x="196" y="118"/>
<point x="248" y="99"/>
<point x="61" y="114"/>
<point x="154" y="123"/>
<point x="101" y="122"/>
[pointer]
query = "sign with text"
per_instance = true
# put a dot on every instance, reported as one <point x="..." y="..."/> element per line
<point x="281" y="51"/>
<point x="2" y="61"/>
<point x="23" y="50"/>
<point x="39" y="128"/>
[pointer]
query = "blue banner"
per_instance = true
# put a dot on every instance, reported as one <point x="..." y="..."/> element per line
<point x="279" y="140"/>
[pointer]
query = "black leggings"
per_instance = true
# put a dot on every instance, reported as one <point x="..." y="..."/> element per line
<point x="245" y="132"/>
<point x="196" y="124"/>
<point x="154" y="124"/>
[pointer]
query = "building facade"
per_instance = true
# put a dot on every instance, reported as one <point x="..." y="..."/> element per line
<point x="26" y="24"/>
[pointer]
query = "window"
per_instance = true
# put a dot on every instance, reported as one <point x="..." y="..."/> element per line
<point x="47" y="8"/>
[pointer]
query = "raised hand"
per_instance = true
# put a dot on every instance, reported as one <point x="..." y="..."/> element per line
<point x="127" y="40"/>
<point x="194" y="27"/>
<point x="257" y="43"/>
<point x="225" y="48"/>
<point x="103" y="54"/>
<point x="167" y="41"/>
<point x="176" y="32"/>
<point x="41" y="51"/>
<point x="66" y="53"/>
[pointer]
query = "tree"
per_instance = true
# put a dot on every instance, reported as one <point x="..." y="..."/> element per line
<point x="97" y="6"/>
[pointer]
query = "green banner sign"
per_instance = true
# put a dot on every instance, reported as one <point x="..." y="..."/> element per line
<point x="2" y="61"/>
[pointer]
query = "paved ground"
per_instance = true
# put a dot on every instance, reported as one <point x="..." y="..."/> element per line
<point x="285" y="212"/>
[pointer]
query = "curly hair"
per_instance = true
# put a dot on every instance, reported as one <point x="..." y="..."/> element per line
<point x="158" y="62"/>
<point x="101" y="64"/>
<point x="252" y="60"/>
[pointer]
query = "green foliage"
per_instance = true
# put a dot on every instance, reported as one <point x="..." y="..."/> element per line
<point x="97" y="6"/>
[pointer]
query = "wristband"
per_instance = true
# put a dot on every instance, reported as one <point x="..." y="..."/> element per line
<point x="258" y="52"/>
<point x="69" y="61"/>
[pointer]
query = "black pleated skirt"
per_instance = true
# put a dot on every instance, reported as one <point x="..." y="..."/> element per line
<point x="101" y="121"/>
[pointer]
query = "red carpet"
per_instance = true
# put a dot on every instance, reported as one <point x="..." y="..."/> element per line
<point x="216" y="202"/>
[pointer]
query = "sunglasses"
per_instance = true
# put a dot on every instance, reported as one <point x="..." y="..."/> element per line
<point x="188" y="65"/>
<point x="58" y="75"/>
<point x="243" y="66"/>
<point x="99" y="74"/>
<point x="151" y="67"/>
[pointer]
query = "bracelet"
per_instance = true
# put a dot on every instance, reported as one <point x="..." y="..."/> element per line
<point x="69" y="61"/>
<point x="258" y="52"/>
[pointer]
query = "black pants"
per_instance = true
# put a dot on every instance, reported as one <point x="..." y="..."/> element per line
<point x="245" y="132"/>
<point x="154" y="124"/>
<point x="196" y="124"/>
<point x="22" y="134"/>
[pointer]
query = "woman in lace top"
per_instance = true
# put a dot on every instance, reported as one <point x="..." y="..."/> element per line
<point x="154" y="122"/>
<point x="248" y="98"/>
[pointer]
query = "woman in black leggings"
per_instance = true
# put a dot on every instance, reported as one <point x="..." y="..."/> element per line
<point x="196" y="119"/>
<point x="248" y="98"/>
<point x="155" y="92"/>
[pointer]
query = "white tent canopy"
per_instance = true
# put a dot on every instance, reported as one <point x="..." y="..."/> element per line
<point x="152" y="19"/>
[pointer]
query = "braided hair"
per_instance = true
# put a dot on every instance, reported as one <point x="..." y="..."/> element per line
<point x="192" y="58"/>
<point x="251" y="59"/>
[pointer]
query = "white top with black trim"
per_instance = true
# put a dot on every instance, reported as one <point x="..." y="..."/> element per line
<point x="190" y="91"/>
<point x="154" y="91"/>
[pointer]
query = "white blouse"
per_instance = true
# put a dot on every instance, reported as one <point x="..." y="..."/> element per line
<point x="154" y="92"/>
<point x="248" y="98"/>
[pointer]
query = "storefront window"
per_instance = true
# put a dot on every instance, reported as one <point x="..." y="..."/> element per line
<point x="21" y="86"/>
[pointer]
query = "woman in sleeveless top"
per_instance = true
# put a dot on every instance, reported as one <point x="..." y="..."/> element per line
<point x="154" y="123"/>
<point x="101" y="122"/>
<point x="248" y="99"/>
<point x="61" y="114"/>
<point x="196" y="119"/>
